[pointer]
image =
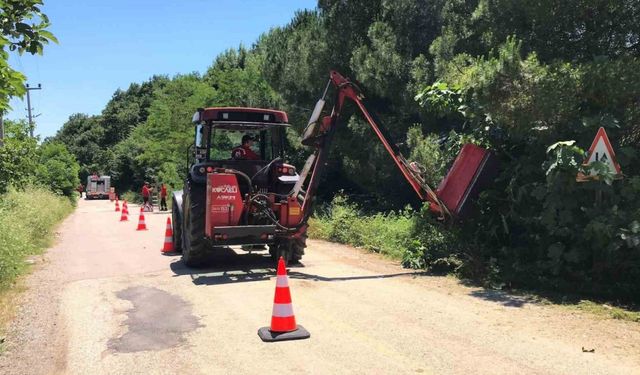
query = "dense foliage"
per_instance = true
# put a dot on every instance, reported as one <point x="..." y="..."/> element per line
<point x="23" y="163"/>
<point x="23" y="28"/>
<point x="530" y="80"/>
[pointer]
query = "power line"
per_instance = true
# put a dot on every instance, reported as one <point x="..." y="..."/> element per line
<point x="29" y="109"/>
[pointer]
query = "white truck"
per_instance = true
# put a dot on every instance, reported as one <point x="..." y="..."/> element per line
<point x="98" y="187"/>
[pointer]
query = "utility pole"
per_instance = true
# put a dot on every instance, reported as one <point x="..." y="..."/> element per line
<point x="31" y="126"/>
<point x="1" y="129"/>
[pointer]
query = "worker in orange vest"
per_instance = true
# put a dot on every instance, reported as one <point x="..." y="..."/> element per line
<point x="163" y="197"/>
<point x="146" y="193"/>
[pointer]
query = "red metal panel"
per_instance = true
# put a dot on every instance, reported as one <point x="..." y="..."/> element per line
<point x="294" y="212"/>
<point x="224" y="202"/>
<point x="457" y="186"/>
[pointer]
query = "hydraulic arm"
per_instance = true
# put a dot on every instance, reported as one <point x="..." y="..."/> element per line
<point x="320" y="132"/>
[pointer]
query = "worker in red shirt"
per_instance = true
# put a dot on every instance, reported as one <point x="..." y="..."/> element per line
<point x="146" y="193"/>
<point x="163" y="197"/>
<point x="244" y="151"/>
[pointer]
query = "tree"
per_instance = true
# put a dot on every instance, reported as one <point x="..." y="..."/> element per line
<point x="83" y="135"/>
<point x="128" y="109"/>
<point x="571" y="30"/>
<point x="533" y="82"/>
<point x="156" y="149"/>
<point x="18" y="158"/>
<point x="17" y="34"/>
<point x="57" y="169"/>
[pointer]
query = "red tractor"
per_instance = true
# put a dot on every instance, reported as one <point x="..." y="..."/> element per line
<point x="236" y="196"/>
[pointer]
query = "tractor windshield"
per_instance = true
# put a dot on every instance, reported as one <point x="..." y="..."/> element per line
<point x="219" y="144"/>
<point x="264" y="144"/>
<point x="232" y="133"/>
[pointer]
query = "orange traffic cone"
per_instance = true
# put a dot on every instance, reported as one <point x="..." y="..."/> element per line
<point x="124" y="216"/>
<point x="141" y="224"/>
<point x="168" y="238"/>
<point x="117" y="206"/>
<point x="283" y="321"/>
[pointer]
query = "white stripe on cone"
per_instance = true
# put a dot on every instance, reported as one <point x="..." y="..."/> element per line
<point x="167" y="239"/>
<point x="281" y="282"/>
<point x="282" y="310"/>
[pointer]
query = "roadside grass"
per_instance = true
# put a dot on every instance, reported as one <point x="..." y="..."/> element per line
<point x="574" y="302"/>
<point x="386" y="234"/>
<point x="606" y="310"/>
<point x="390" y="234"/>
<point x="27" y="222"/>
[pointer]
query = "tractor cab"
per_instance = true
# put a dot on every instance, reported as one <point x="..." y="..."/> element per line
<point x="219" y="144"/>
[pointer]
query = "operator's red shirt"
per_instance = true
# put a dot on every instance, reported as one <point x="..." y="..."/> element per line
<point x="145" y="191"/>
<point x="244" y="152"/>
<point x="163" y="191"/>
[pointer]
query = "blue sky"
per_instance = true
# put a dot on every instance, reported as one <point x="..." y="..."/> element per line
<point x="106" y="45"/>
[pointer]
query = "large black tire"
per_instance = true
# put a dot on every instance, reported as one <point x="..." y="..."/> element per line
<point x="290" y="250"/>
<point x="194" y="244"/>
<point x="177" y="227"/>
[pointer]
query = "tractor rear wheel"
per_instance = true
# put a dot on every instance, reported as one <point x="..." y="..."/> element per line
<point x="194" y="245"/>
<point x="177" y="227"/>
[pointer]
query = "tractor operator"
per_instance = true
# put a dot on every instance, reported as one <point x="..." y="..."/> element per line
<point x="244" y="151"/>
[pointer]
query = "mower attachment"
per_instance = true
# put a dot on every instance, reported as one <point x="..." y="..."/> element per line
<point x="473" y="168"/>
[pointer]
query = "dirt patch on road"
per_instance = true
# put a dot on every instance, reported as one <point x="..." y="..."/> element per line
<point x="157" y="321"/>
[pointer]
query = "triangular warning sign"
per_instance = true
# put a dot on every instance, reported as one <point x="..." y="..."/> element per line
<point x="601" y="150"/>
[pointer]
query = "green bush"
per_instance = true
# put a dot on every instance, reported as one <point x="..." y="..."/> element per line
<point x="344" y="222"/>
<point x="58" y="169"/>
<point x="535" y="226"/>
<point x="413" y="237"/>
<point x="18" y="156"/>
<point x="27" y="220"/>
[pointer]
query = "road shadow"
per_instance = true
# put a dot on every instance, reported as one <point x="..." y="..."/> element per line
<point x="307" y="276"/>
<point x="504" y="298"/>
<point x="228" y="267"/>
<point x="519" y="297"/>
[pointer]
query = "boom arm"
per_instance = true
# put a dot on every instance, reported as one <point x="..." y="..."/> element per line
<point x="319" y="134"/>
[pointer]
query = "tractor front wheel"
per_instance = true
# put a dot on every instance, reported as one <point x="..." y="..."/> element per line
<point x="176" y="221"/>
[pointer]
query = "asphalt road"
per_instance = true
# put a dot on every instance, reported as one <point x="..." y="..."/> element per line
<point x="105" y="301"/>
